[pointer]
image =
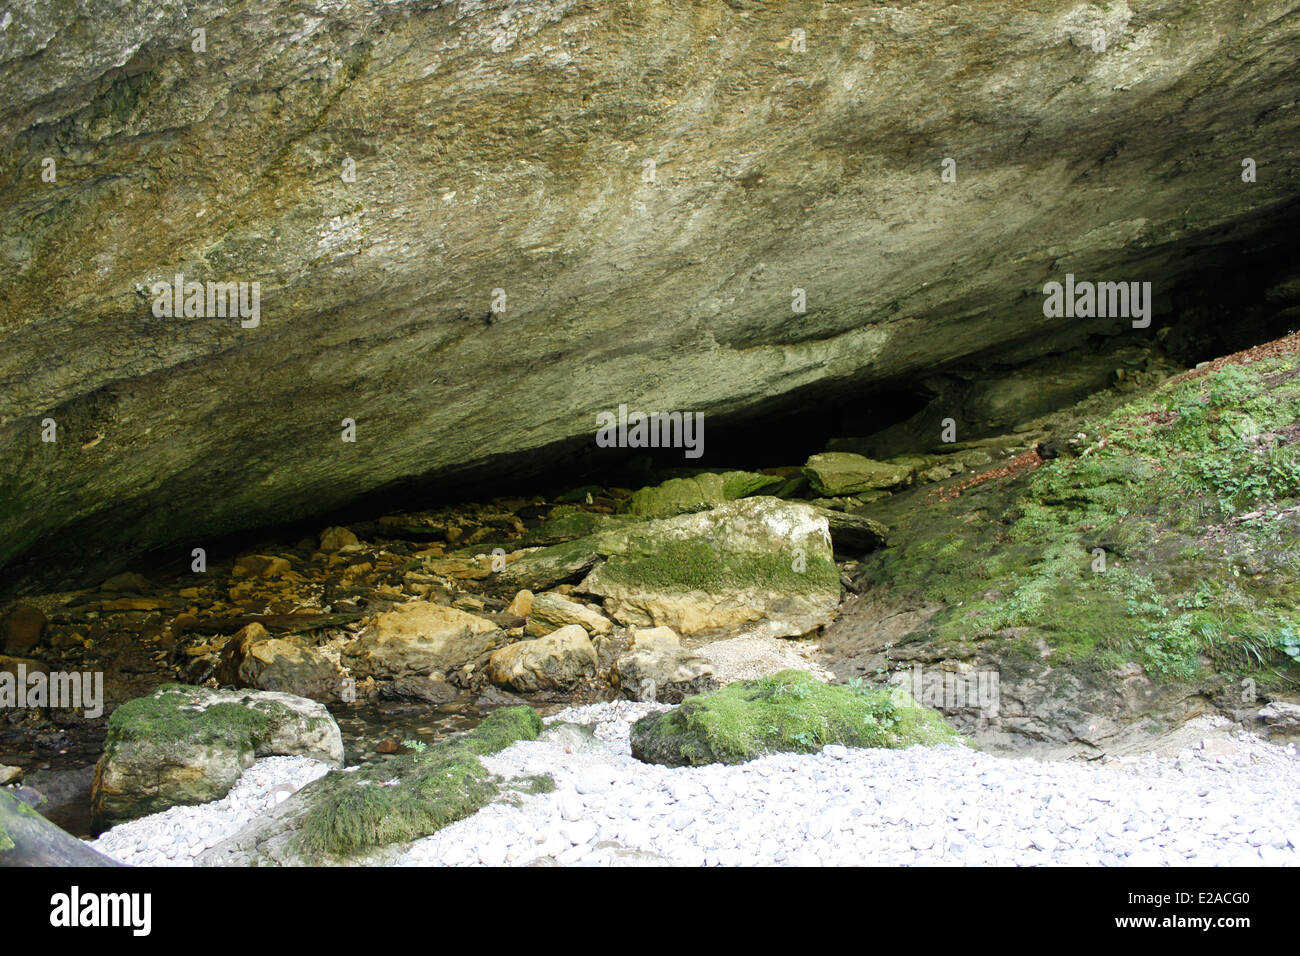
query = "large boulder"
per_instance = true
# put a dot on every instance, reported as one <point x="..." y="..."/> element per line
<point x="790" y="711"/>
<point x="558" y="660"/>
<point x="419" y="638"/>
<point x="757" y="559"/>
<point x="188" y="745"/>
<point x="252" y="658"/>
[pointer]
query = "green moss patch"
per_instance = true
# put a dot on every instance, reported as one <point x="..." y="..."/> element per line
<point x="786" y="712"/>
<point x="1169" y="542"/>
<point x="681" y="495"/>
<point x="694" y="566"/>
<point x="412" y="795"/>
<point x="170" y="716"/>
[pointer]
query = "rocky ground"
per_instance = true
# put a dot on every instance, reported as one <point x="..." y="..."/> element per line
<point x="1229" y="800"/>
<point x="1123" y="564"/>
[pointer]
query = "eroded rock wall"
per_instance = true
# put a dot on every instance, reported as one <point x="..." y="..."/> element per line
<point x="506" y="146"/>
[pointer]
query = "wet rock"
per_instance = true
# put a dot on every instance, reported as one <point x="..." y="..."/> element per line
<point x="843" y="473"/>
<point x="428" y="690"/>
<point x="9" y="774"/>
<point x="336" y="538"/>
<point x="491" y="696"/>
<point x="252" y="658"/>
<point x="22" y="628"/>
<point x="127" y="581"/>
<point x="551" y="611"/>
<point x="260" y="566"/>
<point x="188" y="745"/>
<point x="558" y="660"/>
<point x="137" y="604"/>
<point x="419" y="638"/>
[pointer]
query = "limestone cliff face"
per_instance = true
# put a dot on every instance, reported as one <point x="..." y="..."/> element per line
<point x="643" y="184"/>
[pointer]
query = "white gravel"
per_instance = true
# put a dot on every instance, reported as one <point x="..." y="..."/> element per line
<point x="1236" y="803"/>
<point x="176" y="836"/>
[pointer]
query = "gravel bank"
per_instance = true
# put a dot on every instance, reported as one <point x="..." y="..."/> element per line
<point x="1228" y="804"/>
<point x="175" y="836"/>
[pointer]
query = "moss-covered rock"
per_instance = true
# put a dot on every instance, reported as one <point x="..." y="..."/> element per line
<point x="757" y="559"/>
<point x="790" y="711"/>
<point x="843" y="473"/>
<point x="344" y="815"/>
<point x="697" y="492"/>
<point x="567" y="522"/>
<point x="185" y="745"/>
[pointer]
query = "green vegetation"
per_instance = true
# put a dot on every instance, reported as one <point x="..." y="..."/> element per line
<point x="412" y="795"/>
<point x="170" y="715"/>
<point x="786" y="712"/>
<point x="696" y="566"/>
<point x="1166" y="543"/>
<point x="682" y="495"/>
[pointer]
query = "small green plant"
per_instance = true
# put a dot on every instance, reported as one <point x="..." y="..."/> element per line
<point x="419" y="746"/>
<point x="1289" y="642"/>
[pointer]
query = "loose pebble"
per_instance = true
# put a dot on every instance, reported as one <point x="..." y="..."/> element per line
<point x="919" y="806"/>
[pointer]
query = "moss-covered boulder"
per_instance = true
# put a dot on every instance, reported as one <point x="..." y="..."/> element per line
<point x="186" y="745"/>
<point x="790" y="711"/>
<point x="835" y="473"/>
<point x="754" y="560"/>
<point x="344" y="815"/>
<point x="697" y="492"/>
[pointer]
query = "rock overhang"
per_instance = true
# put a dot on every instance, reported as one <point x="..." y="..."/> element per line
<point x="505" y="148"/>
